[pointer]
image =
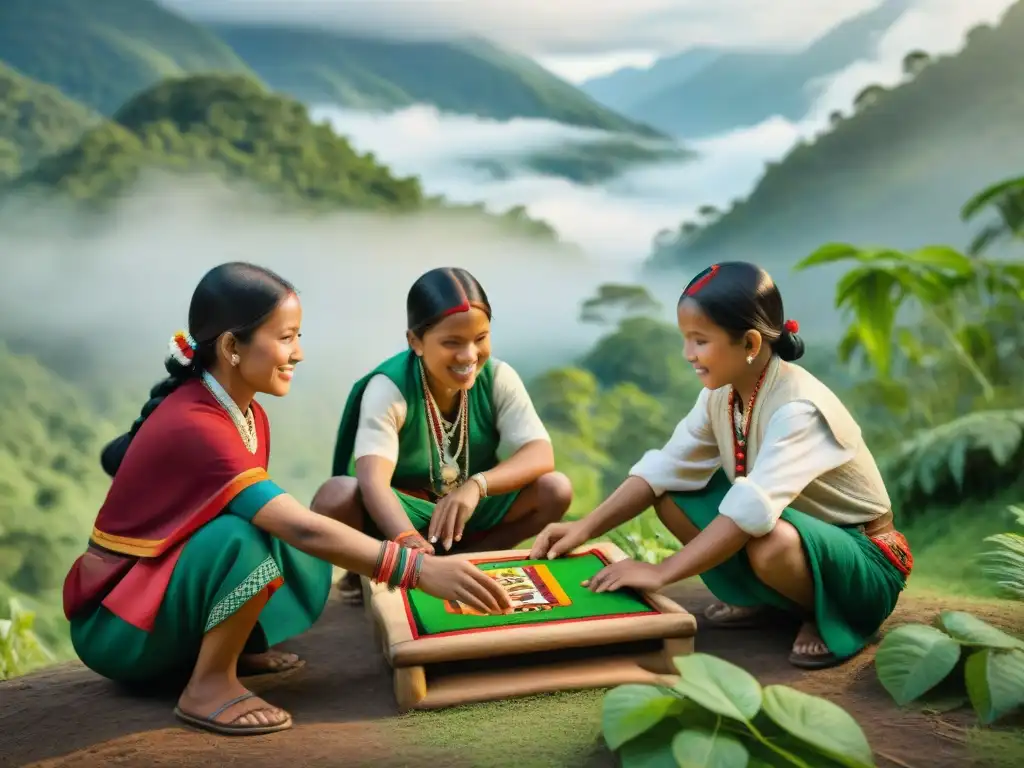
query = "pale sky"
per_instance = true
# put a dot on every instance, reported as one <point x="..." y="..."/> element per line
<point x="561" y="27"/>
<point x="578" y="39"/>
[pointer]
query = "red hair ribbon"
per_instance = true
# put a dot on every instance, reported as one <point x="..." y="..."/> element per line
<point x="702" y="281"/>
<point x="792" y="326"/>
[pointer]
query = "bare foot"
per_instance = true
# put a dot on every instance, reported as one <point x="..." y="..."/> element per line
<point x="726" y="614"/>
<point x="351" y="588"/>
<point x="267" y="662"/>
<point x="201" y="701"/>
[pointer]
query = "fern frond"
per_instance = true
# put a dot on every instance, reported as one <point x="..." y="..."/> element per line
<point x="1005" y="564"/>
<point x="974" y="454"/>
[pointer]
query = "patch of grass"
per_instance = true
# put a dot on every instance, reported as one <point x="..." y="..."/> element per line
<point x="558" y="730"/>
<point x="946" y="546"/>
<point x="997" y="748"/>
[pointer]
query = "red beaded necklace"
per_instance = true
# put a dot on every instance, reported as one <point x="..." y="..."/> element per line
<point x="739" y="436"/>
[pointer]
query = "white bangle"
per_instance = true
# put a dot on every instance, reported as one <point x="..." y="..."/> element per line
<point x="481" y="482"/>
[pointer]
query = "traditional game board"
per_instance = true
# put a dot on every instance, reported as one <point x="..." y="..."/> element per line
<point x="562" y="636"/>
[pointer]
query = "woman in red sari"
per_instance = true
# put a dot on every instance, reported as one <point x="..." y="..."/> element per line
<point x="198" y="562"/>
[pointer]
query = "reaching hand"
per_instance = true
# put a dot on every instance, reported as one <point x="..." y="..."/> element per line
<point x="557" y="539"/>
<point x="452" y="579"/>
<point x="451" y="514"/>
<point x="417" y="542"/>
<point x="627" y="573"/>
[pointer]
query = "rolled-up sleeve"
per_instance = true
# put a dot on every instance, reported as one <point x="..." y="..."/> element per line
<point x="688" y="459"/>
<point x="798" y="447"/>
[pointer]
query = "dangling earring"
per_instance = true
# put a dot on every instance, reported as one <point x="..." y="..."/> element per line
<point x="235" y="359"/>
<point x="750" y="359"/>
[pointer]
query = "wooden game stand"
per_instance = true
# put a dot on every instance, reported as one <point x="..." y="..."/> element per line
<point x="437" y="672"/>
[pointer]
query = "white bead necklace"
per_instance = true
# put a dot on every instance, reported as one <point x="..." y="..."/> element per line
<point x="245" y="425"/>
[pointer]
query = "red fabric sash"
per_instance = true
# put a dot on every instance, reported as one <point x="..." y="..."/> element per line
<point x="186" y="463"/>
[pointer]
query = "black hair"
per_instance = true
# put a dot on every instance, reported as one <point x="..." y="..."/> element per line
<point x="738" y="297"/>
<point x="236" y="297"/>
<point x="437" y="293"/>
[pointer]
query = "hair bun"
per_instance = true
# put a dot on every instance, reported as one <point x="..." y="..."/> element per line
<point x="789" y="346"/>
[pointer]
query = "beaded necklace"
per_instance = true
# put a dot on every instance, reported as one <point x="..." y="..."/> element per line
<point x="741" y="430"/>
<point x="245" y="425"/>
<point x="442" y="432"/>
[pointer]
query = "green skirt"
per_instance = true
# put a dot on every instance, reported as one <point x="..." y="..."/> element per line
<point x="223" y="565"/>
<point x="489" y="513"/>
<point x="855" y="585"/>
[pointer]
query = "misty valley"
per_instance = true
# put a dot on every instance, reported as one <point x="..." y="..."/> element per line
<point x="879" y="179"/>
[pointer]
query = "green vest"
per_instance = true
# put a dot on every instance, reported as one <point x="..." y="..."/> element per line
<point x="415" y="445"/>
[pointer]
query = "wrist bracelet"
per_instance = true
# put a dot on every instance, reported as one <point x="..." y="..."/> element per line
<point x="406" y="535"/>
<point x="481" y="482"/>
<point x="397" y="566"/>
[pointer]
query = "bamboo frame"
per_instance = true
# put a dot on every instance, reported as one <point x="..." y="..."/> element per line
<point x="600" y="642"/>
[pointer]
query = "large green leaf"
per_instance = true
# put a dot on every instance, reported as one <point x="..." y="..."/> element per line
<point x="709" y="749"/>
<point x="913" y="659"/>
<point x="826" y="726"/>
<point x="828" y="254"/>
<point x="990" y="195"/>
<point x="630" y="710"/>
<point x="970" y="630"/>
<point x="653" y="749"/>
<point x="719" y="686"/>
<point x="995" y="682"/>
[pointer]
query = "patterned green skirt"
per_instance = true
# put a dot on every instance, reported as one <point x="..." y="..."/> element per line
<point x="224" y="564"/>
<point x="855" y="585"/>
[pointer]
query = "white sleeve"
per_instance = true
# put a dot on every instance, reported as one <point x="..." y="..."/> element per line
<point x="798" y="447"/>
<point x="690" y="457"/>
<point x="517" y="420"/>
<point x="381" y="416"/>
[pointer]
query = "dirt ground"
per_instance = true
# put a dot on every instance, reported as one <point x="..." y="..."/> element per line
<point x="345" y="714"/>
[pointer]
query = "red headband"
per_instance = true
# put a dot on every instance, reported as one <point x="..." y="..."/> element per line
<point x="463" y="307"/>
<point x="702" y="281"/>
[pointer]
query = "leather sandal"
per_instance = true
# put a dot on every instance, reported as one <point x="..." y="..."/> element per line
<point x="231" y="729"/>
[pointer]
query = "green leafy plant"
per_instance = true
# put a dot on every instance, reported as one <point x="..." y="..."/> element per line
<point x="984" y="447"/>
<point x="20" y="650"/>
<point x="718" y="715"/>
<point x="644" y="538"/>
<point x="914" y="659"/>
<point x="1005" y="564"/>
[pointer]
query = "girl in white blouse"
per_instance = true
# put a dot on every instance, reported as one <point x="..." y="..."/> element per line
<point x="767" y="482"/>
<point x="442" y="440"/>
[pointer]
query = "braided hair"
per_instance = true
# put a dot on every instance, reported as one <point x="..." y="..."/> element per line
<point x="235" y="297"/>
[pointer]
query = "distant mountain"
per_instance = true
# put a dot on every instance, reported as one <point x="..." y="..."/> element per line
<point x="102" y="52"/>
<point x="744" y="88"/>
<point x="233" y="128"/>
<point x="624" y="88"/>
<point x="35" y="121"/>
<point x="895" y="173"/>
<point x="467" y="77"/>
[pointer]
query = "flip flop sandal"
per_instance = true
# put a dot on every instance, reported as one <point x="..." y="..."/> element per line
<point x="230" y="729"/>
<point x="745" y="620"/>
<point x="248" y="669"/>
<point x="815" y="660"/>
<point x="826" y="660"/>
